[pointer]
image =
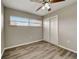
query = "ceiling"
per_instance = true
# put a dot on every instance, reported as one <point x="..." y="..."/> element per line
<point x="28" y="6"/>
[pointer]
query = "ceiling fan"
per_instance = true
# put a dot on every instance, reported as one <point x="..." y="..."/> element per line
<point x="46" y="3"/>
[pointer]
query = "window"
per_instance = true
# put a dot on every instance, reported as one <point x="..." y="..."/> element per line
<point x="19" y="21"/>
<point x="34" y="22"/>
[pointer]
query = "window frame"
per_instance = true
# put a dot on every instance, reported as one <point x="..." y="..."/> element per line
<point x="29" y="22"/>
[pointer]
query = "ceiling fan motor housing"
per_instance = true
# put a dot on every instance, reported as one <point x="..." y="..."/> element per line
<point x="49" y="9"/>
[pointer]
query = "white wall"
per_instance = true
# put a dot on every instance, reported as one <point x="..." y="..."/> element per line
<point x="2" y="29"/>
<point x="16" y="35"/>
<point x="67" y="26"/>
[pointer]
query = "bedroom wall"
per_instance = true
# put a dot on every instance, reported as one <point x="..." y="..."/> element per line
<point x="2" y="29"/>
<point x="16" y="35"/>
<point x="67" y="26"/>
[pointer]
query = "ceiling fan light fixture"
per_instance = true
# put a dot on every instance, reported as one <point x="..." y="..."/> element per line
<point x="47" y="5"/>
<point x="43" y="7"/>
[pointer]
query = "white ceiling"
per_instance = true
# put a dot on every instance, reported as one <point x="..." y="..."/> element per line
<point x="28" y="6"/>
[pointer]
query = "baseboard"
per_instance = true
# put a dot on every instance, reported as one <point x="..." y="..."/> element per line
<point x="63" y="47"/>
<point x="22" y="44"/>
<point x="2" y="52"/>
<point x="67" y="49"/>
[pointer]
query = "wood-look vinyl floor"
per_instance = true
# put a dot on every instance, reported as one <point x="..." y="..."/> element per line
<point x="38" y="50"/>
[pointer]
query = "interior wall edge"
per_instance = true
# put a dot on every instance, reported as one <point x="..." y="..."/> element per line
<point x="2" y="30"/>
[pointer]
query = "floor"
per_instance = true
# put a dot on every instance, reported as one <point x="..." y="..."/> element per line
<point x="38" y="50"/>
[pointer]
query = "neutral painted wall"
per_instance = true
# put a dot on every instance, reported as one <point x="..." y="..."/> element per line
<point x="16" y="35"/>
<point x="2" y="29"/>
<point x="67" y="26"/>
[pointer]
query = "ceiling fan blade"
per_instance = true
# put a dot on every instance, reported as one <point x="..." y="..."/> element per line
<point x="44" y="0"/>
<point x="39" y="8"/>
<point x="55" y="1"/>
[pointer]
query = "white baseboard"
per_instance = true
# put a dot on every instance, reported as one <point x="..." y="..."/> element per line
<point x="64" y="47"/>
<point x="18" y="46"/>
<point x="22" y="44"/>
<point x="68" y="49"/>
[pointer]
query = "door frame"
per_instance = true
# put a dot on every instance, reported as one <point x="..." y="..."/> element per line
<point x="50" y="28"/>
